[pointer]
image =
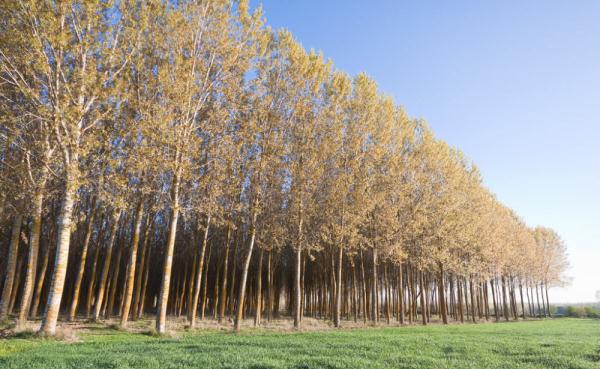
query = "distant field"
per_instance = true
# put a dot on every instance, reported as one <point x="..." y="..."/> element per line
<point x="560" y="343"/>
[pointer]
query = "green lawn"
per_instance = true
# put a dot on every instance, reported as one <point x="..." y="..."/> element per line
<point x="561" y="343"/>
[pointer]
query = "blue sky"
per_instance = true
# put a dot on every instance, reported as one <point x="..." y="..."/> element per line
<point x="514" y="84"/>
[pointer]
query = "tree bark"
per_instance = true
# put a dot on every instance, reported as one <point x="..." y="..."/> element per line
<point x="242" y="288"/>
<point x="257" y="316"/>
<point x="198" y="277"/>
<point x="423" y="293"/>
<point x="223" y="301"/>
<point x="130" y="277"/>
<point x="40" y="282"/>
<point x="297" y="274"/>
<point x="57" y="283"/>
<point x="11" y="266"/>
<point x="338" y="302"/>
<point x="140" y="269"/>
<point x="165" y="283"/>
<point x="374" y="297"/>
<point x="82" y="259"/>
<point x="504" y="299"/>
<point x="442" y="298"/>
<point x="547" y="300"/>
<point x="106" y="267"/>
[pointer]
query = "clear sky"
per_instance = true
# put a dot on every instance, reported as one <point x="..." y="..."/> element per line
<point x="515" y="84"/>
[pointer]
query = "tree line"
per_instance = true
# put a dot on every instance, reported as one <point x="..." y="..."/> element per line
<point x="163" y="158"/>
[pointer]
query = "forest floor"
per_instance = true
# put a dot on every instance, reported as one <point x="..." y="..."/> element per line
<point x="555" y="343"/>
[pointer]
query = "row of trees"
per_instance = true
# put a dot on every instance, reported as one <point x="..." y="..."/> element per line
<point x="181" y="157"/>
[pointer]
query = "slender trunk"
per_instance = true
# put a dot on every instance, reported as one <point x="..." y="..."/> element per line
<point x="459" y="300"/>
<point x="401" y="294"/>
<point x="216" y="290"/>
<point x="130" y="277"/>
<point x="269" y="286"/>
<point x="223" y="301"/>
<point x="40" y="282"/>
<point x="231" y="304"/>
<point x="543" y="302"/>
<point x="363" y="287"/>
<point x="504" y="299"/>
<point x="15" y="290"/>
<point x="338" y="302"/>
<point x="472" y="293"/>
<point x="165" y="283"/>
<point x="442" y="298"/>
<point x="297" y="275"/>
<point x="205" y="284"/>
<point x="494" y="300"/>
<point x="257" y="316"/>
<point x="522" y="299"/>
<point x="140" y="310"/>
<point x="140" y="270"/>
<point x="297" y="287"/>
<point x="114" y="284"/>
<point x="32" y="257"/>
<point x="387" y="293"/>
<point x="547" y="300"/>
<point x="198" y="278"/>
<point x="106" y="267"/>
<point x="92" y="281"/>
<point x="82" y="258"/>
<point x="11" y="266"/>
<point x="57" y="283"/>
<point x="374" y="297"/>
<point x="354" y="292"/>
<point x="423" y="309"/>
<point x="242" y="288"/>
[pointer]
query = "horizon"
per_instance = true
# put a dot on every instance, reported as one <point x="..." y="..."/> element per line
<point x="512" y="85"/>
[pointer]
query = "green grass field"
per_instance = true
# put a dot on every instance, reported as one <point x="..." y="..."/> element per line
<point x="560" y="343"/>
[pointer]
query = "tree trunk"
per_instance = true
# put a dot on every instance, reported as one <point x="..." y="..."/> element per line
<point x="106" y="267"/>
<point x="459" y="299"/>
<point x="165" y="283"/>
<point x="140" y="270"/>
<point x="269" y="286"/>
<point x="423" y="293"/>
<point x="130" y="277"/>
<point x="472" y="293"/>
<point x="223" y="301"/>
<point x="297" y="287"/>
<point x="257" y="316"/>
<point x="32" y="257"/>
<point x="205" y="284"/>
<point x="338" y="302"/>
<point x="40" y="282"/>
<point x="114" y="284"/>
<point x="363" y="287"/>
<point x="242" y="288"/>
<point x="547" y="300"/>
<point x="442" y="298"/>
<point x="496" y="313"/>
<point x="198" y="278"/>
<point x="140" y="310"/>
<point x="401" y="294"/>
<point x="504" y="299"/>
<point x="82" y="258"/>
<point x="374" y="297"/>
<point x="57" y="284"/>
<point x="11" y="266"/>
<point x="92" y="281"/>
<point x="297" y="275"/>
<point x="522" y="299"/>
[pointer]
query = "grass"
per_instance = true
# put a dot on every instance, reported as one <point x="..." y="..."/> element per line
<point x="560" y="343"/>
